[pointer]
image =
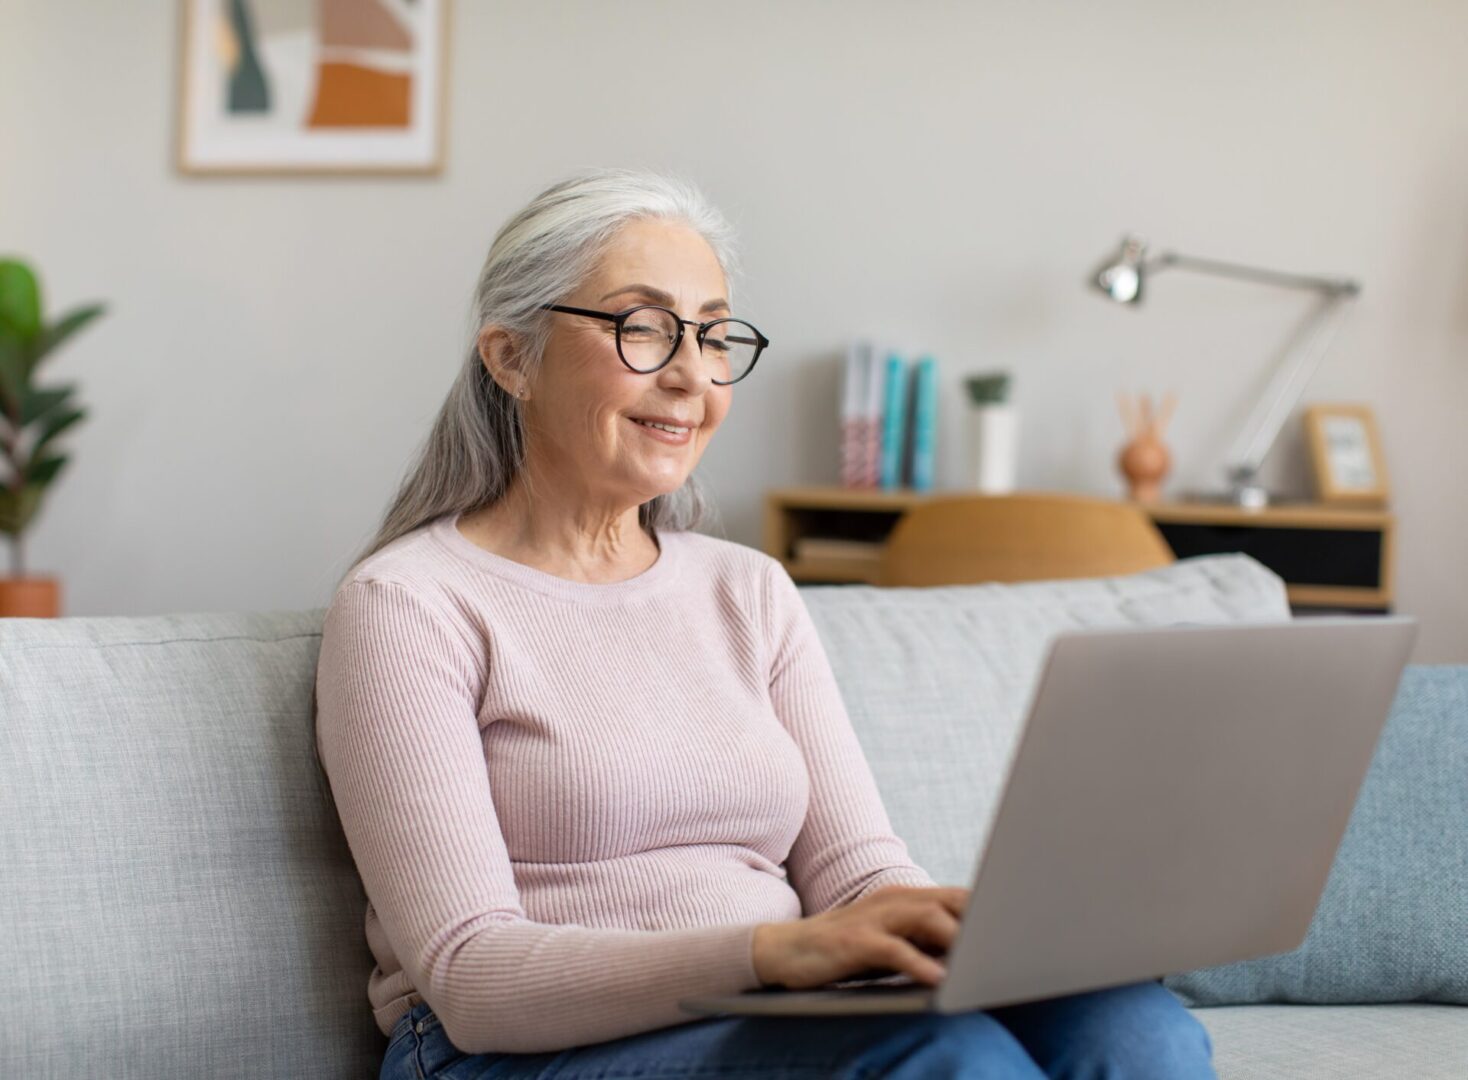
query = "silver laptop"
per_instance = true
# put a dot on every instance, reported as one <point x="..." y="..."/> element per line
<point x="1175" y="801"/>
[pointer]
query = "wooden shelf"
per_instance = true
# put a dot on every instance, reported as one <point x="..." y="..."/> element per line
<point x="1331" y="558"/>
<point x="1306" y="515"/>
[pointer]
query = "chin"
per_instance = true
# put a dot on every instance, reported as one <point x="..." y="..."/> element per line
<point x="661" y="485"/>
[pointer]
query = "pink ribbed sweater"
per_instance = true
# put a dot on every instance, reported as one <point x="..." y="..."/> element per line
<point x="571" y="803"/>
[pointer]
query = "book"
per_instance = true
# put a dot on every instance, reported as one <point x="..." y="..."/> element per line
<point x="833" y="547"/>
<point x="873" y="410"/>
<point x="909" y="425"/>
<point x="894" y="421"/>
<point x="854" y="380"/>
<point x="924" y="423"/>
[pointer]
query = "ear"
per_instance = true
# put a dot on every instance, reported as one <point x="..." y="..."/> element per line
<point x="499" y="352"/>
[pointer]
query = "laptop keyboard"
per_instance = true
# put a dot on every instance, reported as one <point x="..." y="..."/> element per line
<point x="875" y="980"/>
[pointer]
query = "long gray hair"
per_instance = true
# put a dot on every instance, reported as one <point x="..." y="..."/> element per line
<point x="540" y="256"/>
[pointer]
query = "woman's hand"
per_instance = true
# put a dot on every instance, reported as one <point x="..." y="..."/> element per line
<point x="895" y="927"/>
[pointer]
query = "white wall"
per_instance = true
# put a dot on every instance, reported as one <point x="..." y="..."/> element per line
<point x="940" y="174"/>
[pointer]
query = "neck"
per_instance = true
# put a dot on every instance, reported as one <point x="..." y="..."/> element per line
<point x="567" y="539"/>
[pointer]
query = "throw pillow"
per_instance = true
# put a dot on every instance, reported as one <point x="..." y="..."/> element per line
<point x="1392" y="924"/>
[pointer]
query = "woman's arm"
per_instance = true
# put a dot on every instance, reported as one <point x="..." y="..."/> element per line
<point x="398" y="735"/>
<point x="846" y="848"/>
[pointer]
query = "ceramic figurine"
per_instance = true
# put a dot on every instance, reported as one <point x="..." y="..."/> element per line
<point x="1144" y="460"/>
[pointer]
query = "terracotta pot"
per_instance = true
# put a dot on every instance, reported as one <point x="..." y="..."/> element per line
<point x="30" y="597"/>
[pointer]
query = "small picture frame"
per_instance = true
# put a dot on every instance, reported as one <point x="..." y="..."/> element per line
<point x="288" y="87"/>
<point x="1345" y="455"/>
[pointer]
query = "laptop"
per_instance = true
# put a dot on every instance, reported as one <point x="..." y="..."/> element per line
<point x="1175" y="801"/>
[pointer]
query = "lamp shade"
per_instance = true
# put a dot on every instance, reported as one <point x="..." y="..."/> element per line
<point x="1122" y="276"/>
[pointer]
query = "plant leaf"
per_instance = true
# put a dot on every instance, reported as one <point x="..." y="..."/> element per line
<point x="37" y="403"/>
<point x="20" y="299"/>
<point x="988" y="389"/>
<point x="41" y="471"/>
<point x="18" y="507"/>
<point x="12" y="371"/>
<point x="52" y="336"/>
<point x="54" y="426"/>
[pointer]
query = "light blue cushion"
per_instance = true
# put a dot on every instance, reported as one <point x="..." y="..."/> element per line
<point x="1393" y="922"/>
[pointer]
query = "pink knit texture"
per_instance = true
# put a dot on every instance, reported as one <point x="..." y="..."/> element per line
<point x="571" y="804"/>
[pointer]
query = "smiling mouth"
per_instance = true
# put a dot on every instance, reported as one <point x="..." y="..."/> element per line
<point x="676" y="438"/>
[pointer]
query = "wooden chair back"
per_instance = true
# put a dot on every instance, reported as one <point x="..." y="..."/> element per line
<point x="968" y="539"/>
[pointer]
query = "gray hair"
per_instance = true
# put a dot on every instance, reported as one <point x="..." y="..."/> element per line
<point x="540" y="256"/>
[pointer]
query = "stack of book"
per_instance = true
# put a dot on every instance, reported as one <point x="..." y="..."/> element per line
<point x="889" y="419"/>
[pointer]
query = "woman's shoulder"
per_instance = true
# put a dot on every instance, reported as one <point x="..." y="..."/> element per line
<point x="744" y="581"/>
<point x="410" y="566"/>
<point x="725" y="557"/>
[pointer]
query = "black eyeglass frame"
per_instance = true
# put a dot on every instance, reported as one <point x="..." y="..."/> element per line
<point x="620" y="317"/>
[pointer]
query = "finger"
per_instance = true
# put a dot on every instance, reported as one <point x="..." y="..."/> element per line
<point x="899" y="955"/>
<point x="952" y="897"/>
<point x="934" y="926"/>
<point x="927" y="923"/>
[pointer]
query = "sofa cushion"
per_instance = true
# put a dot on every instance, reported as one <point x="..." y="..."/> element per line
<point x="1392" y="924"/>
<point x="1338" y="1042"/>
<point x="177" y="898"/>
<point x="936" y="679"/>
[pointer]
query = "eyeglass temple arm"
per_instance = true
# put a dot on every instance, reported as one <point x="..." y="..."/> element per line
<point x="580" y="311"/>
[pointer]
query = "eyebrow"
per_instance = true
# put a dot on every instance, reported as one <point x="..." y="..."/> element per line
<point x="665" y="299"/>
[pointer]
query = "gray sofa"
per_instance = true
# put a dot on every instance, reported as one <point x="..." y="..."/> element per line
<point x="177" y="899"/>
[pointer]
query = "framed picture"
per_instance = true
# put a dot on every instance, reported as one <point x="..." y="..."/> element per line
<point x="1345" y="455"/>
<point x="312" y="86"/>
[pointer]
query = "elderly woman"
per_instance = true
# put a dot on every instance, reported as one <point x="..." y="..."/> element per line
<point x="590" y="761"/>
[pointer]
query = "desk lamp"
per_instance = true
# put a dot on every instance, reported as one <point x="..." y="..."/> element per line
<point x="1123" y="278"/>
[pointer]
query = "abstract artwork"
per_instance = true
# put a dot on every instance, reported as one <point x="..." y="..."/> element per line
<point x="312" y="86"/>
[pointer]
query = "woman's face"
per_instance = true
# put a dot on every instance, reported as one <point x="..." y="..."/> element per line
<point x="580" y="408"/>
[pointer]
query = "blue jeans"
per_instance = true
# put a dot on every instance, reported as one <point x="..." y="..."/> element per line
<point x="1133" y="1032"/>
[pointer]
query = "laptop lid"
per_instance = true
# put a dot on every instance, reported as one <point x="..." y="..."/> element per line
<point x="1175" y="801"/>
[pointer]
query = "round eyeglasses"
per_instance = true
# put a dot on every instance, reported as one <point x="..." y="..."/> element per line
<point x="648" y="336"/>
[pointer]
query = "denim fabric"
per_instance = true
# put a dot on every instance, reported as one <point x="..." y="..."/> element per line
<point x="1135" y="1032"/>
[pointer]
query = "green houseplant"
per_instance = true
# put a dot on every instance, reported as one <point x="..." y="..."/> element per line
<point x="34" y="417"/>
<point x="989" y="389"/>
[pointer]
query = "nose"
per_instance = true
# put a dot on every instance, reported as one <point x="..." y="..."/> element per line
<point x="688" y="365"/>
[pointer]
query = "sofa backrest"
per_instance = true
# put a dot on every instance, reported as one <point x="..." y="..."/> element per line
<point x="936" y="680"/>
<point x="178" y="899"/>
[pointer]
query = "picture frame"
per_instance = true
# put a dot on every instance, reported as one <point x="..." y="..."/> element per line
<point x="293" y="87"/>
<point x="1345" y="455"/>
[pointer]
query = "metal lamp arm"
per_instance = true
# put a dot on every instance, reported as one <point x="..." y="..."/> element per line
<point x="1284" y="390"/>
<point x="1334" y="286"/>
<point x="1292" y="374"/>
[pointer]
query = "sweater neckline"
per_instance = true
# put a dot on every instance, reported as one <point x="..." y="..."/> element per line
<point x="446" y="531"/>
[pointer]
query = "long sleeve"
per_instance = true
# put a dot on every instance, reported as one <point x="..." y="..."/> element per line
<point x="398" y="735"/>
<point x="846" y="847"/>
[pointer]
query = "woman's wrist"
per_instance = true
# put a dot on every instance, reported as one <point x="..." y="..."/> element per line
<point x="765" y="952"/>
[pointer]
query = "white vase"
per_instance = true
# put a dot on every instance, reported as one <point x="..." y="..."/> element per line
<point x="993" y="447"/>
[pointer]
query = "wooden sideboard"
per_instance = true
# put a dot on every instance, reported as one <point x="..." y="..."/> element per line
<point x="1331" y="559"/>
